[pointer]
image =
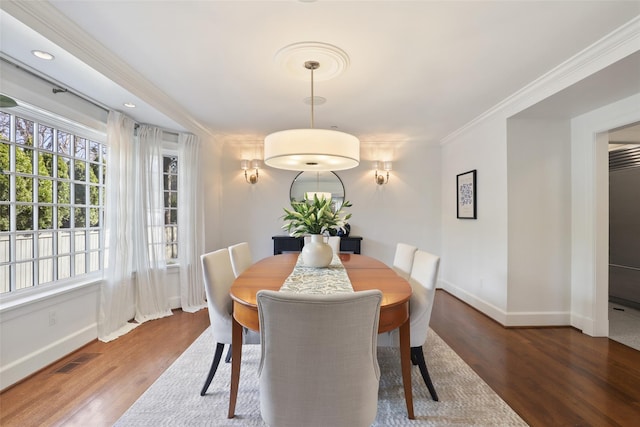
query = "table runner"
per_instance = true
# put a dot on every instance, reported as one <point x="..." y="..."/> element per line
<point x="312" y="280"/>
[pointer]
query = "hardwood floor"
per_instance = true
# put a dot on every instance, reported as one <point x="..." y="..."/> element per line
<point x="550" y="376"/>
<point x="97" y="392"/>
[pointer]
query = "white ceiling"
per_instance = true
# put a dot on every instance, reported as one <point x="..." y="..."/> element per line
<point x="418" y="70"/>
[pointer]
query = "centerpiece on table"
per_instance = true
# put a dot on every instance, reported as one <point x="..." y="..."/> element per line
<point x="317" y="218"/>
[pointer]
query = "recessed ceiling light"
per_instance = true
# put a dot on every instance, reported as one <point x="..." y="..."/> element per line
<point x="129" y="105"/>
<point x="42" y="55"/>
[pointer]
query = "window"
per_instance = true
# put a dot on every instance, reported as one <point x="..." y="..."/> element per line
<point x="51" y="200"/>
<point x="170" y="178"/>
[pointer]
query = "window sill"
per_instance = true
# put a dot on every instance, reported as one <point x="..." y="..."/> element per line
<point x="25" y="297"/>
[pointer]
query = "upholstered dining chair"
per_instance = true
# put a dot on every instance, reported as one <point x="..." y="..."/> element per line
<point x="218" y="277"/>
<point x="424" y="274"/>
<point x="318" y="365"/>
<point x="403" y="259"/>
<point x="240" y="257"/>
<point x="334" y="242"/>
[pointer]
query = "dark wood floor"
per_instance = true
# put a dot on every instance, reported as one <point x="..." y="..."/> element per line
<point x="550" y="376"/>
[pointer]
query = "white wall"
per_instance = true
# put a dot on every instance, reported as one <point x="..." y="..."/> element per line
<point x="406" y="209"/>
<point x="474" y="252"/>
<point x="539" y="225"/>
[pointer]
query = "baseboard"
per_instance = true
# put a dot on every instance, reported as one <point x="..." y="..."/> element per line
<point x="34" y="362"/>
<point x="507" y="318"/>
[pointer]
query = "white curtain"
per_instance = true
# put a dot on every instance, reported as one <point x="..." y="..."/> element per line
<point x="190" y="224"/>
<point x="133" y="284"/>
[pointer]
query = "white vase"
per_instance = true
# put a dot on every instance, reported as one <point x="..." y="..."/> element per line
<point x="317" y="253"/>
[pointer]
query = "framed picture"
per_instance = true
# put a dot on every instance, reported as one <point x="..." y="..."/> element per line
<point x="467" y="195"/>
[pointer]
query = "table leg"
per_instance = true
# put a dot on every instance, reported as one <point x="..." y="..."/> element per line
<point x="405" y="362"/>
<point x="236" y="356"/>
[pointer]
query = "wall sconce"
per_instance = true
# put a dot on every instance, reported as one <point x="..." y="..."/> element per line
<point x="253" y="164"/>
<point x="380" y="177"/>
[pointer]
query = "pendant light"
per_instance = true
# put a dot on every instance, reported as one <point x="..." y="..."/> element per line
<point x="311" y="149"/>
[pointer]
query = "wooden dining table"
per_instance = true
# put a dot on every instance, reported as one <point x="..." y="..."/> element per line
<point x="364" y="273"/>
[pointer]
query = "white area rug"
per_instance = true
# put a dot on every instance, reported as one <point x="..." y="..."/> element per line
<point x="174" y="399"/>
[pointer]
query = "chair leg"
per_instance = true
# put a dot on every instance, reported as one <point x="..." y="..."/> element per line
<point x="418" y="355"/>
<point x="227" y="359"/>
<point x="214" y="367"/>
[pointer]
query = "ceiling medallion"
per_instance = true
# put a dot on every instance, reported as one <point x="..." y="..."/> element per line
<point x="333" y="59"/>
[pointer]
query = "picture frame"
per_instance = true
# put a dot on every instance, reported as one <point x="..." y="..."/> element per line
<point x="467" y="195"/>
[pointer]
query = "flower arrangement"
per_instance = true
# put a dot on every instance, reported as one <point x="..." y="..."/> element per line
<point x="314" y="217"/>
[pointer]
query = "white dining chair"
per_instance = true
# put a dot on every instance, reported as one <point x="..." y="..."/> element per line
<point x="218" y="277"/>
<point x="403" y="259"/>
<point x="240" y="257"/>
<point x="318" y="364"/>
<point x="423" y="277"/>
<point x="334" y="242"/>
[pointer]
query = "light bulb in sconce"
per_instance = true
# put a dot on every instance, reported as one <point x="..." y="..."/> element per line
<point x="380" y="177"/>
<point x="250" y="164"/>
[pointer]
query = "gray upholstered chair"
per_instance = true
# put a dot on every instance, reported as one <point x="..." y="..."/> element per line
<point x="218" y="277"/>
<point x="424" y="274"/>
<point x="319" y="365"/>
<point x="403" y="259"/>
<point x="240" y="257"/>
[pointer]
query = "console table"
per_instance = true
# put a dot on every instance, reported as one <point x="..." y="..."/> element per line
<point x="294" y="244"/>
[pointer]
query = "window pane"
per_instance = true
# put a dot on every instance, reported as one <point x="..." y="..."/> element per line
<point x="5" y="248"/>
<point x="174" y="216"/>
<point x="45" y="190"/>
<point x="24" y="247"/>
<point x="94" y="217"/>
<point x="45" y="217"/>
<point x="64" y="143"/>
<point x="45" y="270"/>
<point x="80" y="217"/>
<point x="64" y="267"/>
<point x="94" y="261"/>
<point x="24" y="131"/>
<point x="64" y="192"/>
<point x="4" y="166"/>
<point x="24" y="162"/>
<point x="45" y="137"/>
<point x="94" y="240"/>
<point x="64" y="242"/>
<point x="81" y="148"/>
<point x="80" y="242"/>
<point x="64" y="217"/>
<point x="47" y="161"/>
<point x="4" y="217"/>
<point x="94" y="195"/>
<point x="24" y="189"/>
<point x="80" y="194"/>
<point x="94" y="151"/>
<point x="80" y="267"/>
<point x="24" y="217"/>
<point x="24" y="275"/>
<point x="80" y="170"/>
<point x="5" y="126"/>
<point x="45" y="244"/>
<point x="4" y="279"/>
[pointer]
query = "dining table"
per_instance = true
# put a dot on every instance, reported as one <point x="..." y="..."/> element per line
<point x="363" y="272"/>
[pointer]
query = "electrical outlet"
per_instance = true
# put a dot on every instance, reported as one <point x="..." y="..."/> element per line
<point x="53" y="318"/>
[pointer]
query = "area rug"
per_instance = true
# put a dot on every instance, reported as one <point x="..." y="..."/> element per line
<point x="174" y="399"/>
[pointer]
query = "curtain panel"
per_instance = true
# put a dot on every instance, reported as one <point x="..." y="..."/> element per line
<point x="190" y="224"/>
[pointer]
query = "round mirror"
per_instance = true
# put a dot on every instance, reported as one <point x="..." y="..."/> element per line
<point x="311" y="182"/>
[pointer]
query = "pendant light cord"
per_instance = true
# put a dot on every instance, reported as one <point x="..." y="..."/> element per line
<point x="312" y="65"/>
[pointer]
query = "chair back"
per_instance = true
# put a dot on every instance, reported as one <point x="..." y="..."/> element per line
<point x="218" y="278"/>
<point x="334" y="242"/>
<point x="319" y="365"/>
<point x="240" y="257"/>
<point x="403" y="259"/>
<point x="423" y="278"/>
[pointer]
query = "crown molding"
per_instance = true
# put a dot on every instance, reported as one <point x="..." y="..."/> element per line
<point x="618" y="44"/>
<point x="44" y="18"/>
